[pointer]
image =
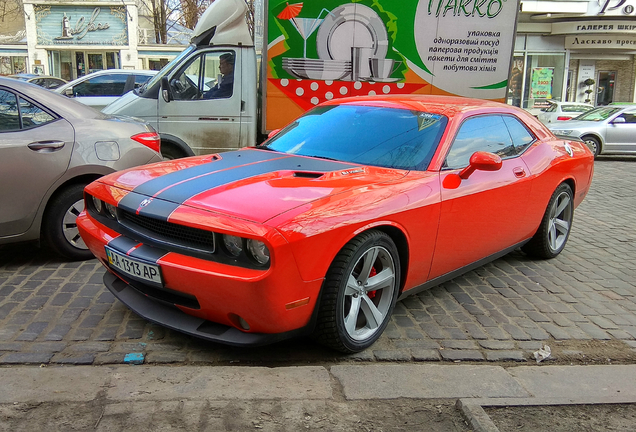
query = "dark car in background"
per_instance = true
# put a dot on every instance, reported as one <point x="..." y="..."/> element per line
<point x="48" y="82"/>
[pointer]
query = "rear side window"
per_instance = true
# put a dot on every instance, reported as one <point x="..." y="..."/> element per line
<point x="105" y="85"/>
<point x="9" y="114"/>
<point x="521" y="137"/>
<point x="551" y="108"/>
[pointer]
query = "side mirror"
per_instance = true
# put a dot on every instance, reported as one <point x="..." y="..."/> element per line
<point x="166" y="92"/>
<point x="273" y="133"/>
<point x="482" y="161"/>
<point x="69" y="92"/>
<point x="618" y="120"/>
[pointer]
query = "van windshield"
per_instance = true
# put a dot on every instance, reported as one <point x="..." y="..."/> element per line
<point x="165" y="70"/>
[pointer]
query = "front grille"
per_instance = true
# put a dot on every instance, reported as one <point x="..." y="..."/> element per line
<point x="168" y="232"/>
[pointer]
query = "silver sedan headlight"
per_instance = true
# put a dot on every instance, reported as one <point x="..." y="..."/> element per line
<point x="567" y="132"/>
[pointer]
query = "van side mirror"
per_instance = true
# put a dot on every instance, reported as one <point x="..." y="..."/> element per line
<point x="166" y="92"/>
<point x="68" y="92"/>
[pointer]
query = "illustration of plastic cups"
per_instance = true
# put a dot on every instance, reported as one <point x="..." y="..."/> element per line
<point x="360" y="67"/>
<point x="383" y="68"/>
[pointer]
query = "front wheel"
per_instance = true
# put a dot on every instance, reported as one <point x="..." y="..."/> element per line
<point x="593" y="144"/>
<point x="554" y="231"/>
<point x="60" y="224"/>
<point x="359" y="293"/>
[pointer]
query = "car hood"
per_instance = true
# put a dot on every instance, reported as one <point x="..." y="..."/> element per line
<point x="575" y="124"/>
<point x="251" y="184"/>
<point x="117" y="106"/>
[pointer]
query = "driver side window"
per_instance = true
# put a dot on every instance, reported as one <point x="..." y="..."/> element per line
<point x="186" y="85"/>
<point x="208" y="76"/>
<point x="483" y="133"/>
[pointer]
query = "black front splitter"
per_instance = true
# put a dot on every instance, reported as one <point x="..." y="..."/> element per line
<point x="172" y="317"/>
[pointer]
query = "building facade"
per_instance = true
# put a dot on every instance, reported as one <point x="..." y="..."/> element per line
<point x="72" y="39"/>
<point x="573" y="50"/>
<point x="560" y="46"/>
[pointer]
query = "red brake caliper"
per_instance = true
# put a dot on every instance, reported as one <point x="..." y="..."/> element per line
<point x="373" y="272"/>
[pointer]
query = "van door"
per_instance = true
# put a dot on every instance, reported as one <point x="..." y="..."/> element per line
<point x="205" y="111"/>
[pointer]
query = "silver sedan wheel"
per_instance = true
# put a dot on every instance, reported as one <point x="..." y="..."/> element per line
<point x="560" y="221"/>
<point x="369" y="293"/>
<point x="69" y="225"/>
<point x="592" y="145"/>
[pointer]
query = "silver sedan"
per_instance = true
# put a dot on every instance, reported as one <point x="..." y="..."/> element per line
<point x="608" y="129"/>
<point x="50" y="148"/>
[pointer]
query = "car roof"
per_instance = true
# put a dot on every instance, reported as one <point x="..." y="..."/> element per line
<point x="65" y="107"/>
<point x="23" y="76"/>
<point x="106" y="72"/>
<point x="436" y="104"/>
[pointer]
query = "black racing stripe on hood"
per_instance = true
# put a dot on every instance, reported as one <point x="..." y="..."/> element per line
<point x="182" y="192"/>
<point x="154" y="208"/>
<point x="228" y="159"/>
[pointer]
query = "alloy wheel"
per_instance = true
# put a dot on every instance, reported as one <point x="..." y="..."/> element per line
<point x="369" y="293"/>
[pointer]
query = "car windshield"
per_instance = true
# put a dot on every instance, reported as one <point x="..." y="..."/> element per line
<point x="165" y="70"/>
<point x="598" y="114"/>
<point x="386" y="137"/>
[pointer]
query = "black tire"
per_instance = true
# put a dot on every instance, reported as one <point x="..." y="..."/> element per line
<point x="59" y="229"/>
<point x="170" y="151"/>
<point x="593" y="143"/>
<point x="554" y="231"/>
<point x="335" y="327"/>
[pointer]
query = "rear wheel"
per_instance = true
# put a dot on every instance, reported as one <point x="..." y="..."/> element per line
<point x="60" y="224"/>
<point x="593" y="143"/>
<point x="553" y="233"/>
<point x="359" y="293"/>
<point x="170" y="151"/>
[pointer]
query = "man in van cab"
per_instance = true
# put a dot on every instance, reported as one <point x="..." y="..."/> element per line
<point x="223" y="89"/>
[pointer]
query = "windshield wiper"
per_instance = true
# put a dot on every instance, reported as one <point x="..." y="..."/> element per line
<point x="322" y="157"/>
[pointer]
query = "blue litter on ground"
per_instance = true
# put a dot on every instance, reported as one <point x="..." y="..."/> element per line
<point x="134" y="358"/>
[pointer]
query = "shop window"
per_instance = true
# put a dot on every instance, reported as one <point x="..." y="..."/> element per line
<point x="544" y="76"/>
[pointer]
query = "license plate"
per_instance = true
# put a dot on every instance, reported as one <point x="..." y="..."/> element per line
<point x="133" y="267"/>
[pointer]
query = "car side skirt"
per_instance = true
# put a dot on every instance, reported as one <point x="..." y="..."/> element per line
<point x="455" y="273"/>
<point x="171" y="317"/>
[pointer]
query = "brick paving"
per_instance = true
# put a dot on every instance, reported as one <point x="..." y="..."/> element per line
<point x="55" y="312"/>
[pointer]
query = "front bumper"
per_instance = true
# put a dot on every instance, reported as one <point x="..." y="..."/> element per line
<point x="208" y="299"/>
<point x="173" y="318"/>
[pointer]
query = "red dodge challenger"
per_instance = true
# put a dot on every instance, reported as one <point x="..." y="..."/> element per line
<point x="320" y="230"/>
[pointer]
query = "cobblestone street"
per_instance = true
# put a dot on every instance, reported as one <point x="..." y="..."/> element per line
<point x="56" y="312"/>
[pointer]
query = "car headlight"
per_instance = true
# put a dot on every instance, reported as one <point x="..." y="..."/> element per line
<point x="233" y="245"/>
<point x="111" y="210"/>
<point x="97" y="203"/>
<point x="562" y="132"/>
<point x="258" y="251"/>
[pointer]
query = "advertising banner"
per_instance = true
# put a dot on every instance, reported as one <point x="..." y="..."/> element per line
<point x="320" y="50"/>
<point x="541" y="83"/>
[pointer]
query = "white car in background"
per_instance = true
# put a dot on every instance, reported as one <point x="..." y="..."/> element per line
<point x="100" y="88"/>
<point x="561" y="111"/>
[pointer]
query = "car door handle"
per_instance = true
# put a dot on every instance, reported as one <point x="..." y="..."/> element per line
<point x="519" y="172"/>
<point x="46" y="146"/>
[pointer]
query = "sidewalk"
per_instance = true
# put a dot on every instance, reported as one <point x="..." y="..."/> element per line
<point x="135" y="394"/>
